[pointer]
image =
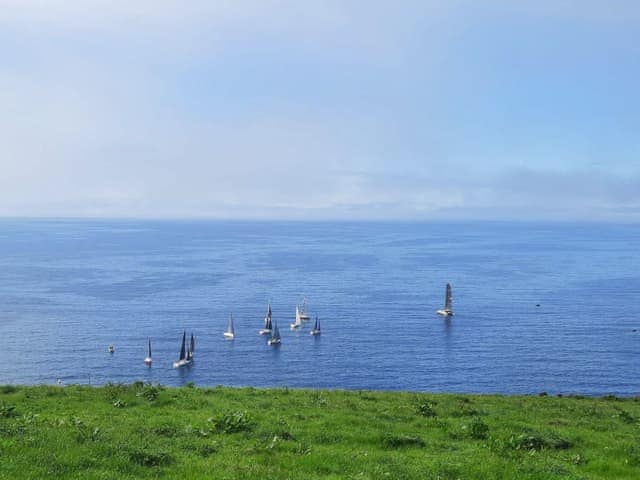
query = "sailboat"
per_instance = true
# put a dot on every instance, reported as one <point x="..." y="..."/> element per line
<point x="447" y="311"/>
<point x="186" y="356"/>
<point x="303" y="310"/>
<point x="267" y="322"/>
<point x="316" y="327"/>
<point x="148" y="360"/>
<point x="298" y="322"/>
<point x="230" y="334"/>
<point x="275" y="336"/>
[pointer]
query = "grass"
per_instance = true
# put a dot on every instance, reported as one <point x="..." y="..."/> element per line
<point x="147" y="431"/>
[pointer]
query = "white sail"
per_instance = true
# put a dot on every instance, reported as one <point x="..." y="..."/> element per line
<point x="304" y="315"/>
<point x="298" y="322"/>
<point x="230" y="333"/>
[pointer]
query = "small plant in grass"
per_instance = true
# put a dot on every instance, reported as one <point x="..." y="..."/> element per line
<point x="478" y="429"/>
<point x="7" y="411"/>
<point x="232" y="422"/>
<point x="626" y="417"/>
<point x="534" y="442"/>
<point x="85" y="432"/>
<point x="119" y="403"/>
<point x="318" y="399"/>
<point x="150" y="392"/>
<point x="427" y="410"/>
<point x="150" y="457"/>
<point x="399" y="441"/>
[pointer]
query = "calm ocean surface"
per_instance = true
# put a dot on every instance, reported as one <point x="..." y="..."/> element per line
<point x="68" y="289"/>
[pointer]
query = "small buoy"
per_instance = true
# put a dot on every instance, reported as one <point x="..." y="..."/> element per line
<point x="111" y="349"/>
<point x="537" y="304"/>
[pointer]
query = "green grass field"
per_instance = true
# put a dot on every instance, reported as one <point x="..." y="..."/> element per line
<point x="144" y="431"/>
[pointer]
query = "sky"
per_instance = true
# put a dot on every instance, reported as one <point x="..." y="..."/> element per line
<point x="336" y="109"/>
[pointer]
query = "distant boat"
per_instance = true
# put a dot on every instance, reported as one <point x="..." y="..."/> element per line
<point x="316" y="327"/>
<point x="447" y="311"/>
<point x="298" y="323"/>
<point x="111" y="349"/>
<point x="267" y="322"/>
<point x="304" y="315"/>
<point x="275" y="336"/>
<point x="230" y="334"/>
<point x="186" y="356"/>
<point x="147" y="361"/>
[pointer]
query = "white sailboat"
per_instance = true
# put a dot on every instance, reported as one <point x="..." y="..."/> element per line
<point x="148" y="360"/>
<point x="298" y="323"/>
<point x="447" y="311"/>
<point x="111" y="349"/>
<point x="186" y="356"/>
<point x="230" y="334"/>
<point x="304" y="315"/>
<point x="275" y="336"/>
<point x="267" y="322"/>
<point x="316" y="327"/>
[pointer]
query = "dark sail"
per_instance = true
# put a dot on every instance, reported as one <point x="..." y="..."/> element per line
<point x="149" y="350"/>
<point x="183" y="353"/>
<point x="448" y="300"/>
<point x="267" y="319"/>
<point x="192" y="347"/>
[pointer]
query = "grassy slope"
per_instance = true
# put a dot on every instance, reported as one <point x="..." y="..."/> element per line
<point x="123" y="432"/>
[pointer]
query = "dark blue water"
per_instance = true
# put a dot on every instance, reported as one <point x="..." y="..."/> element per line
<point x="68" y="289"/>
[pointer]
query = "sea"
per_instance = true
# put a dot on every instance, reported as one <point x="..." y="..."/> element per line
<point x="539" y="307"/>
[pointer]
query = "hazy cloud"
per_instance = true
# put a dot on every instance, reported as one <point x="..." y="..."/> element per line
<point x="320" y="109"/>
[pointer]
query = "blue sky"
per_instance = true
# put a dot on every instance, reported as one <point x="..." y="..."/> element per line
<point x="321" y="110"/>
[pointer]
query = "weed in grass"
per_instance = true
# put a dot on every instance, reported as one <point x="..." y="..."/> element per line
<point x="150" y="392"/>
<point x="478" y="430"/>
<point x="167" y="431"/>
<point x="208" y="449"/>
<point x="118" y="403"/>
<point x="534" y="442"/>
<point x="149" y="457"/>
<point x="465" y="411"/>
<point x="7" y="411"/>
<point x="399" y="441"/>
<point x="232" y="422"/>
<point x="427" y="410"/>
<point x="626" y="417"/>
<point x="318" y="399"/>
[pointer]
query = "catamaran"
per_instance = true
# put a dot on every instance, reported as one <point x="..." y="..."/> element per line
<point x="148" y="360"/>
<point x="230" y="334"/>
<point x="316" y="327"/>
<point x="298" y="323"/>
<point x="303" y="310"/>
<point x="186" y="356"/>
<point x="275" y="336"/>
<point x="447" y="311"/>
<point x="267" y="322"/>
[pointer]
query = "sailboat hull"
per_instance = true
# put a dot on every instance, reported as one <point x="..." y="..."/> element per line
<point x="264" y="331"/>
<point x="274" y="341"/>
<point x="314" y="332"/>
<point x="182" y="363"/>
<point x="148" y="361"/>
<point x="229" y="336"/>
<point x="295" y="326"/>
<point x="445" y="313"/>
